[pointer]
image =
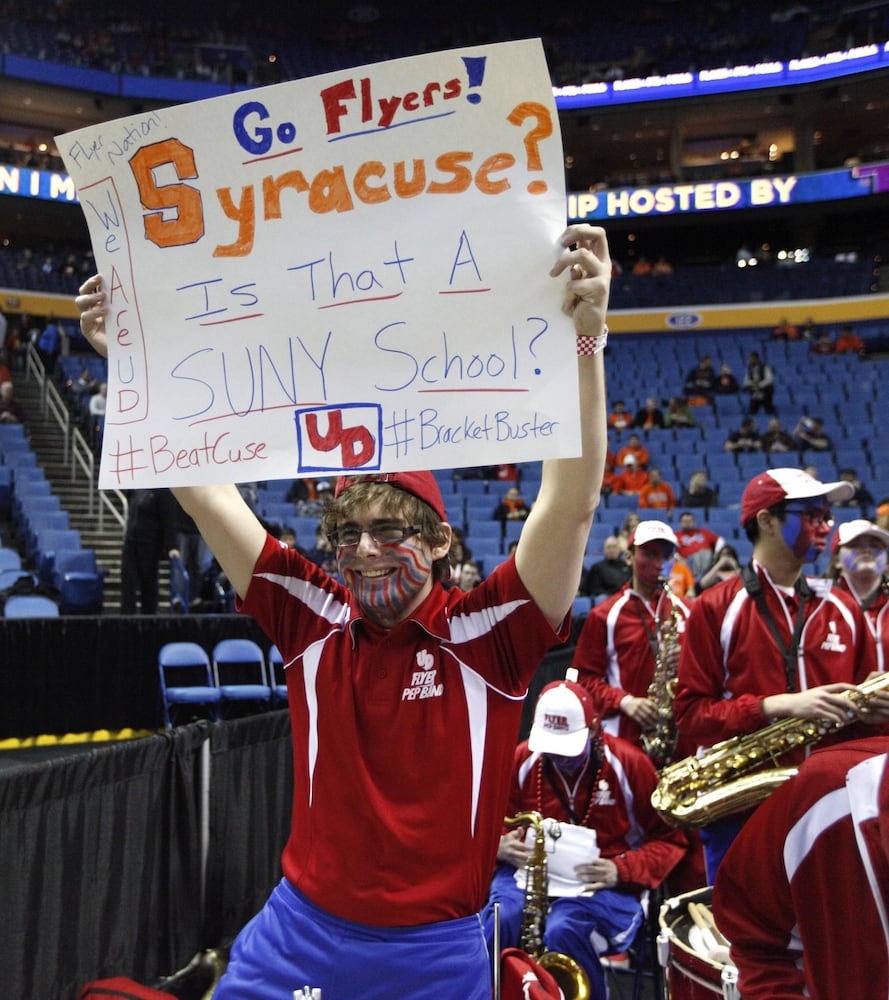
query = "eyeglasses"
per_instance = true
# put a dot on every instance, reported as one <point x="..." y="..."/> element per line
<point x="814" y="515"/>
<point x="383" y="533"/>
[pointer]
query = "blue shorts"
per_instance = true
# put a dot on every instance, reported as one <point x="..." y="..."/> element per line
<point x="292" y="943"/>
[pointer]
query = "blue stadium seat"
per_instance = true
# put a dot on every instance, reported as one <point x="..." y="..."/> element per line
<point x="239" y="671"/>
<point x="277" y="677"/>
<point x="483" y="548"/>
<point x="721" y="466"/>
<point x="622" y="501"/>
<point x="485" y="528"/>
<point x="471" y="488"/>
<point x="5" y="491"/>
<point x="30" y="606"/>
<point x="186" y="680"/>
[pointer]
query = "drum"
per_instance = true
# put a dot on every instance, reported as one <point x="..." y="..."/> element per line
<point x="691" y="950"/>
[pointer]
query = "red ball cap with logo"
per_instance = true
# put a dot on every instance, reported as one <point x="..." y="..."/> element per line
<point x="770" y="488"/>
<point x="562" y="719"/>
<point x="421" y="485"/>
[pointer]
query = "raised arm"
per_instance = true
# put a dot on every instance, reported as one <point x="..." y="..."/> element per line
<point x="227" y="524"/>
<point x="550" y="553"/>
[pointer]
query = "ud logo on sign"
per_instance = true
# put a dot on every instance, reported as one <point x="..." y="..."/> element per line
<point x="332" y="438"/>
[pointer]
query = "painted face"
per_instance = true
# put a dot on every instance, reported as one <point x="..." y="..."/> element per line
<point x="389" y="575"/>
<point x="805" y="531"/>
<point x="866" y="555"/>
<point x="652" y="560"/>
<point x="571" y="764"/>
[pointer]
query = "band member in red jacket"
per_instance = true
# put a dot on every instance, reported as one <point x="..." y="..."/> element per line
<point x="569" y="771"/>
<point x="860" y="551"/>
<point x="773" y="643"/>
<point x="813" y="858"/>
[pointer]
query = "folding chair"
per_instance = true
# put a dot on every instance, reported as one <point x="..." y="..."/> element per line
<point x="239" y="671"/>
<point x="188" y="665"/>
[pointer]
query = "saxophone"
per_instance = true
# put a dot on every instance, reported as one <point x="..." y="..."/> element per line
<point x="659" y="742"/>
<point x="568" y="973"/>
<point x="730" y="778"/>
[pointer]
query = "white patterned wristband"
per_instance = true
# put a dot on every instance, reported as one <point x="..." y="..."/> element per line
<point x="587" y="346"/>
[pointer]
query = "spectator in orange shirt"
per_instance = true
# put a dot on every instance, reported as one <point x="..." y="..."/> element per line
<point x="512" y="507"/>
<point x="785" y="330"/>
<point x="682" y="580"/>
<point x="631" y="478"/>
<point x="848" y="342"/>
<point x="637" y="449"/>
<point x="657" y="494"/>
<point x="620" y="417"/>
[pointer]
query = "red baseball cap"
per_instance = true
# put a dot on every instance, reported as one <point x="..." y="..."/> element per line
<point x="769" y="488"/>
<point x="422" y="485"/>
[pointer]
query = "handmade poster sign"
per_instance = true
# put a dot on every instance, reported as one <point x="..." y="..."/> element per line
<point x="344" y="273"/>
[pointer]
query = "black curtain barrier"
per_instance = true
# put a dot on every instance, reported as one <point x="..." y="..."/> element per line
<point x="101" y="866"/>
<point x="101" y="850"/>
<point x="251" y="786"/>
<point x="82" y="674"/>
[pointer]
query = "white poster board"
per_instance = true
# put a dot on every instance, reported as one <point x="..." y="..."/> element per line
<point x="343" y="273"/>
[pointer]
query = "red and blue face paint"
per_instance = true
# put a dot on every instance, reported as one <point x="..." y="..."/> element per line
<point x="806" y="531"/>
<point x="389" y="579"/>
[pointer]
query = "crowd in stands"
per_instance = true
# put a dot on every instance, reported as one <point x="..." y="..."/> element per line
<point x="59" y="270"/>
<point x="234" y="45"/>
<point x="820" y="340"/>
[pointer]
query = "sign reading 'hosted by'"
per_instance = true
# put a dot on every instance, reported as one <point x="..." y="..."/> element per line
<point x="344" y="273"/>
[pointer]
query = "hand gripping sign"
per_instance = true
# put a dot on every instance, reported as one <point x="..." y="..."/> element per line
<point x="345" y="273"/>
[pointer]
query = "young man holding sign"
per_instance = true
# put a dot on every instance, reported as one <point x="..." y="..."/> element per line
<point x="405" y="700"/>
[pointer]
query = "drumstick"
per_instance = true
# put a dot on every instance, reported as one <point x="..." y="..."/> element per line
<point x="707" y="915"/>
<point x="710" y="942"/>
